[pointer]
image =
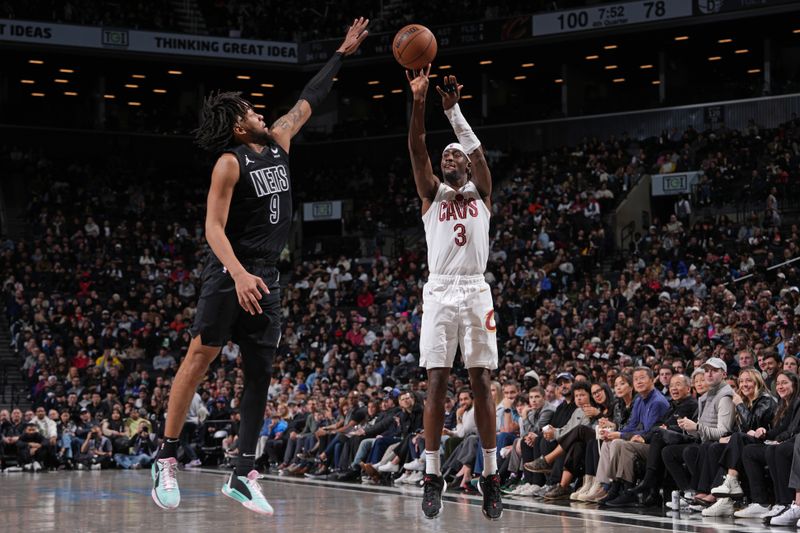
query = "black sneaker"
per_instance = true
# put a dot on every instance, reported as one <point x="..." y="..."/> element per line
<point x="432" y="489"/>
<point x="492" y="504"/>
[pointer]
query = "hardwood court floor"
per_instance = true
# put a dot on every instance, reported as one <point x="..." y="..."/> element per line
<point x="111" y="501"/>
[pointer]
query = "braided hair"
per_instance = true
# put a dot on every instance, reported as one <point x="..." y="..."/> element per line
<point x="220" y="112"/>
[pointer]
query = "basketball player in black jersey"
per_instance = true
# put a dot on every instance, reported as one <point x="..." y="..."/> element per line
<point x="249" y="212"/>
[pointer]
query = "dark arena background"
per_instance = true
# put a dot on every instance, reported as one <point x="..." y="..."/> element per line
<point x="645" y="160"/>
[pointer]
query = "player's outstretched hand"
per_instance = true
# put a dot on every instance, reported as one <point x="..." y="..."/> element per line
<point x="451" y="92"/>
<point x="419" y="82"/>
<point x="248" y="291"/>
<point x="356" y="34"/>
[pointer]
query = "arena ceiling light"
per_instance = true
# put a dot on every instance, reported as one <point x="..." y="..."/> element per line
<point x="131" y="86"/>
<point x="175" y="72"/>
<point x="36" y="62"/>
<point x="611" y="67"/>
<point x="70" y="93"/>
<point x="682" y="38"/>
<point x="714" y="58"/>
<point x="742" y="51"/>
<point x="466" y="97"/>
<point x="66" y="70"/>
<point x="37" y="94"/>
<point x="27" y="82"/>
<point x="528" y="65"/>
<point x="61" y="80"/>
<point x="433" y="76"/>
<point x="485" y="62"/>
<point x="754" y="71"/>
<point x="138" y="76"/>
<point x="656" y="82"/>
<point x="725" y="41"/>
<point x="373" y="82"/>
<point x="559" y="80"/>
<point x="256" y="94"/>
<point x="520" y="77"/>
<point x="592" y="57"/>
<point x="796" y="31"/>
<point x="109" y="96"/>
<point x="610" y="47"/>
<point x="618" y="80"/>
<point x="134" y="104"/>
<point x="270" y="86"/>
<point x="398" y="91"/>
<point x="160" y="91"/>
<point x="259" y="106"/>
<point x="377" y="96"/>
<point x="242" y="77"/>
<point x="645" y="67"/>
<point x="445" y="67"/>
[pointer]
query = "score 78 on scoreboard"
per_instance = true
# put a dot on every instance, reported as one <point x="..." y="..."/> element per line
<point x="608" y="15"/>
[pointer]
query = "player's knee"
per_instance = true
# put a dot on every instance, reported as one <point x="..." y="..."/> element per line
<point x="197" y="363"/>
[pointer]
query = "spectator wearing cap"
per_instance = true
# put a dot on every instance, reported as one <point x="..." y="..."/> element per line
<point x="716" y="419"/>
<point x="164" y="360"/>
<point x="562" y="389"/>
<point x="134" y="421"/>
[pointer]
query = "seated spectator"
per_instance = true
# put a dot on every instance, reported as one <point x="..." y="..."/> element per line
<point x="715" y="419"/>
<point x="96" y="451"/>
<point x="142" y="450"/>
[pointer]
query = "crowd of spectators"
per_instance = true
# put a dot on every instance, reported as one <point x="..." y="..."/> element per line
<point x="99" y="297"/>
<point x="139" y="15"/>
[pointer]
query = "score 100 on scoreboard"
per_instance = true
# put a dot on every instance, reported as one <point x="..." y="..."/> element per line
<point x="608" y="15"/>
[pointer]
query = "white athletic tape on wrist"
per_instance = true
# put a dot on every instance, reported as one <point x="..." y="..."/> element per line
<point x="462" y="129"/>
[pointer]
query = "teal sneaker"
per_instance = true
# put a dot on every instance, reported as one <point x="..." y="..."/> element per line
<point x="247" y="491"/>
<point x="165" y="491"/>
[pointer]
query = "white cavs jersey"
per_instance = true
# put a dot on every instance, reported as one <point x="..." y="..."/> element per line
<point x="457" y="307"/>
<point x="457" y="232"/>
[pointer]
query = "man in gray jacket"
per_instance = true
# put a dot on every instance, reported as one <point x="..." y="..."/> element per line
<point x="716" y="418"/>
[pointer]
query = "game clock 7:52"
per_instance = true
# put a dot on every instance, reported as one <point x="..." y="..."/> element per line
<point x="623" y="13"/>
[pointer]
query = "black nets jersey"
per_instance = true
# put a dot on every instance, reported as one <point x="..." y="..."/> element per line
<point x="261" y="207"/>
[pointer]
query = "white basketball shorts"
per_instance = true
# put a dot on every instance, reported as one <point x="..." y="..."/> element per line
<point x="458" y="311"/>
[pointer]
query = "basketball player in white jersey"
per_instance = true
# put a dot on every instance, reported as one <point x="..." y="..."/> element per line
<point x="457" y="302"/>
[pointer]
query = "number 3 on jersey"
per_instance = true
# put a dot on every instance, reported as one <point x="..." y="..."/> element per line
<point x="461" y="234"/>
<point x="275" y="209"/>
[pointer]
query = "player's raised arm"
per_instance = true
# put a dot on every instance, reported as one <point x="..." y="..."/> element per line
<point x="427" y="182"/>
<point x="317" y="89"/>
<point x="481" y="176"/>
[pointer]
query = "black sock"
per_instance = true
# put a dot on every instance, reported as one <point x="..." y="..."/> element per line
<point x="244" y="464"/>
<point x="169" y="448"/>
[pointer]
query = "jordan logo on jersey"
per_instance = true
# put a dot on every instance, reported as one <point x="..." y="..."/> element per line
<point x="270" y="180"/>
<point x="247" y="160"/>
<point x="458" y="209"/>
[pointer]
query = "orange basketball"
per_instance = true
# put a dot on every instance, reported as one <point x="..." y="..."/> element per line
<point x="414" y="47"/>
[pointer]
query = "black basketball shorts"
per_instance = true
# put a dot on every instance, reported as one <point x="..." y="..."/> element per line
<point x="220" y="318"/>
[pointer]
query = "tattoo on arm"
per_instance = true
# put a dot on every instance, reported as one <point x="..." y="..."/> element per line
<point x="290" y="119"/>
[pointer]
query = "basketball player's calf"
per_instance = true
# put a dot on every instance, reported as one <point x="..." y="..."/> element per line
<point x="433" y="483"/>
<point x="166" y="492"/>
<point x="242" y="485"/>
<point x="489" y="482"/>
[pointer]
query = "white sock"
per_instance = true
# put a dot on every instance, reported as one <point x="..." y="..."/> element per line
<point x="433" y="463"/>
<point x="489" y="462"/>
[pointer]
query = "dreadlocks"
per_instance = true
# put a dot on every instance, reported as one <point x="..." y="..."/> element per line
<point x="217" y="119"/>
